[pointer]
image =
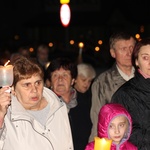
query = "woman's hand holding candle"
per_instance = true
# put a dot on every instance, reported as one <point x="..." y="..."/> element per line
<point x="102" y="144"/>
<point x="5" y="100"/>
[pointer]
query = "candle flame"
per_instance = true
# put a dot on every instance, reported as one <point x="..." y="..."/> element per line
<point x="7" y="63"/>
<point x="102" y="143"/>
<point x="103" y="140"/>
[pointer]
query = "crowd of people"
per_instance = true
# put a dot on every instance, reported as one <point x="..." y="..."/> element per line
<point x="60" y="104"/>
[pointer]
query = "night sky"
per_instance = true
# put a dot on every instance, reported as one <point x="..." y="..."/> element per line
<point x="16" y="15"/>
<point x="38" y="20"/>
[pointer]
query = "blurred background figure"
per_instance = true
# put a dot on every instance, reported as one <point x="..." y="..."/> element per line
<point x="43" y="56"/>
<point x="4" y="56"/>
<point x="80" y="115"/>
<point x="24" y="51"/>
<point x="14" y="57"/>
<point x="59" y="77"/>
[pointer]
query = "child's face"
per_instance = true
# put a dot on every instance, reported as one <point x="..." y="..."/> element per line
<point x="117" y="129"/>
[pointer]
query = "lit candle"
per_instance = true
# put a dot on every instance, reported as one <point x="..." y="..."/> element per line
<point x="7" y="63"/>
<point x="102" y="144"/>
<point x="81" y="45"/>
<point x="6" y="75"/>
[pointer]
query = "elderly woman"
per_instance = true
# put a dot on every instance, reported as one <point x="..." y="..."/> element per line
<point x="135" y="95"/>
<point x="31" y="116"/>
<point x="61" y="75"/>
<point x="80" y="115"/>
<point x="86" y="74"/>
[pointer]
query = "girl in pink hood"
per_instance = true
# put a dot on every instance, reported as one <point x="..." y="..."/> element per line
<point x="114" y="123"/>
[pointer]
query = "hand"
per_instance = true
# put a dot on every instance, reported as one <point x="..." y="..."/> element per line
<point x="5" y="100"/>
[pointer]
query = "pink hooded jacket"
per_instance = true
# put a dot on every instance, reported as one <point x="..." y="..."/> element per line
<point x="107" y="113"/>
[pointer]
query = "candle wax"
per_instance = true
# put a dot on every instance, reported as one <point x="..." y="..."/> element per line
<point x="6" y="75"/>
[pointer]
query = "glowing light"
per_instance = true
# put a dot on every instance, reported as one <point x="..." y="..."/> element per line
<point x="6" y="63"/>
<point x="64" y="1"/>
<point x="65" y="14"/>
<point x="81" y="45"/>
<point x="137" y="36"/>
<point x="97" y="49"/>
<point x="31" y="49"/>
<point x="100" y="42"/>
<point x="50" y="44"/>
<point x="71" y="42"/>
<point x="102" y="144"/>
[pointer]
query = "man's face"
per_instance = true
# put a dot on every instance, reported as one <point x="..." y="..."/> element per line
<point x="122" y="52"/>
<point x="43" y="54"/>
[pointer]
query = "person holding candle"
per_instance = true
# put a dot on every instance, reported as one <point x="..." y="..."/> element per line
<point x="32" y="116"/>
<point x="115" y="123"/>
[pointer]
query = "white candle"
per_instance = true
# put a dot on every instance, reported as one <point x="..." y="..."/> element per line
<point x="6" y="75"/>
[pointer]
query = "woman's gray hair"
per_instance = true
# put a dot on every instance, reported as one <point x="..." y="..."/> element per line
<point x="86" y="70"/>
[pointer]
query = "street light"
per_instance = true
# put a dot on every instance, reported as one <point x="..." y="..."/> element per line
<point x="65" y="14"/>
<point x="64" y="1"/>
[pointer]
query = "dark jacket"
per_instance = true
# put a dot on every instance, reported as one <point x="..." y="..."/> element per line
<point x="135" y="96"/>
<point x="80" y="120"/>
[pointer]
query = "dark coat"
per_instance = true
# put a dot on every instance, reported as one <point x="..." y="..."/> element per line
<point x="80" y="120"/>
<point x="135" y="96"/>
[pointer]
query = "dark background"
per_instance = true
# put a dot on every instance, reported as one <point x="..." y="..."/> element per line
<point x="30" y="22"/>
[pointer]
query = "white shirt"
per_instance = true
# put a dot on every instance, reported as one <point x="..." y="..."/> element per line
<point x="125" y="76"/>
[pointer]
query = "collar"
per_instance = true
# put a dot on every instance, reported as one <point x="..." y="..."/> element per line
<point x="143" y="74"/>
<point x="53" y="100"/>
<point x="73" y="100"/>
<point x="125" y="76"/>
